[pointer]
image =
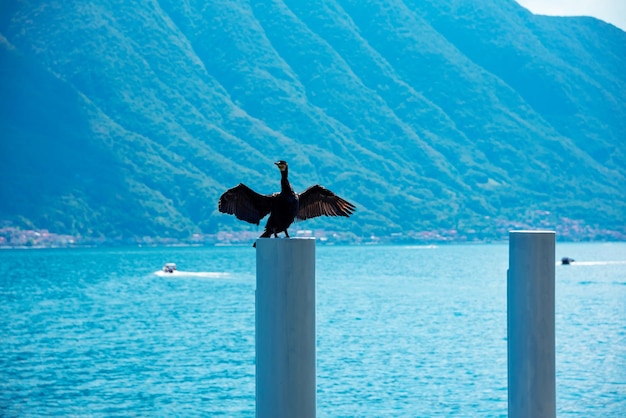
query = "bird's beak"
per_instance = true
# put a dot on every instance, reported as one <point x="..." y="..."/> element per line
<point x="277" y="163"/>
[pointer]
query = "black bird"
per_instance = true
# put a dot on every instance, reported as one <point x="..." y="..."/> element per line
<point x="283" y="207"/>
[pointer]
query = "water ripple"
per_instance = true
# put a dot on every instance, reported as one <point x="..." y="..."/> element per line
<point x="400" y="332"/>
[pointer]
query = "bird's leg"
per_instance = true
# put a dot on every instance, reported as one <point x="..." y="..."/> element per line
<point x="286" y="233"/>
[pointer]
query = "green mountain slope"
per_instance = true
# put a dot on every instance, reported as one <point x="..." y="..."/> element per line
<point x="125" y="120"/>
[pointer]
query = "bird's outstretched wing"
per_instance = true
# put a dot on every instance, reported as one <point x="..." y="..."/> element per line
<point x="319" y="201"/>
<point x="245" y="203"/>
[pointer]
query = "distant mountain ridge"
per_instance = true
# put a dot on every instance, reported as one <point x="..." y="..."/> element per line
<point x="125" y="120"/>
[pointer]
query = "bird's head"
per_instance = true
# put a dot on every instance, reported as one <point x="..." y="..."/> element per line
<point x="282" y="165"/>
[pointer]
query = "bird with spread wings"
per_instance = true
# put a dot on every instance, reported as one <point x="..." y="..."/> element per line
<point x="283" y="207"/>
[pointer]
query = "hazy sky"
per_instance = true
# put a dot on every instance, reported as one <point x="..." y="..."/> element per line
<point x="612" y="11"/>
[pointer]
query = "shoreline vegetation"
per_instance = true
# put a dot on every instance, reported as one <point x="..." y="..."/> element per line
<point x="17" y="238"/>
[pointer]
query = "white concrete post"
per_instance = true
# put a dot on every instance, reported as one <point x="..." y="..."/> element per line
<point x="530" y="324"/>
<point x="285" y="328"/>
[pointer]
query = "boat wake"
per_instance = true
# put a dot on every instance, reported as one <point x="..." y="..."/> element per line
<point x="594" y="263"/>
<point x="205" y="274"/>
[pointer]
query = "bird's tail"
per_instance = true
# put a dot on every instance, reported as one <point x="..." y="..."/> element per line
<point x="266" y="234"/>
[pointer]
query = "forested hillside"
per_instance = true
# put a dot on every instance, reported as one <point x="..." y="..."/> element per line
<point x="129" y="119"/>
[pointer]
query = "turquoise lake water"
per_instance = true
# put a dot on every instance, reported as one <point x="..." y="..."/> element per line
<point x="401" y="332"/>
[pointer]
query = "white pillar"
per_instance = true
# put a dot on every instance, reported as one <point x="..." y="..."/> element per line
<point x="530" y="324"/>
<point x="285" y="328"/>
